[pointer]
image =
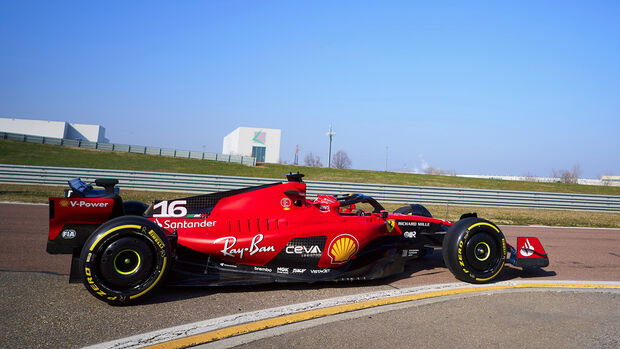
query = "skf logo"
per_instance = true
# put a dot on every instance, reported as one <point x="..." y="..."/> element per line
<point x="342" y="248"/>
<point x="64" y="203"/>
<point x="390" y="225"/>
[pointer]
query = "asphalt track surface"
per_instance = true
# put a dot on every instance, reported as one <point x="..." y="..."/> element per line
<point x="39" y="308"/>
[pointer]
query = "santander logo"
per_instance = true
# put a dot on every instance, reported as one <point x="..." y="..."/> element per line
<point x="527" y="249"/>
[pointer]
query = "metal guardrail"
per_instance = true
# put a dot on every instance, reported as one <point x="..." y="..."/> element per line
<point x="138" y="149"/>
<point x="182" y="182"/>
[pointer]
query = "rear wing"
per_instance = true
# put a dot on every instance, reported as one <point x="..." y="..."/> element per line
<point x="80" y="189"/>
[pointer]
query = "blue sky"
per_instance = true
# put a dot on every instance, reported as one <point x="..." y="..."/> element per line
<point x="504" y="88"/>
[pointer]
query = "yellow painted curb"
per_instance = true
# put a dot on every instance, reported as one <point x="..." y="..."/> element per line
<point x="210" y="336"/>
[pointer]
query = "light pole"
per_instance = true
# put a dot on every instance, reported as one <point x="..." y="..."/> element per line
<point x="386" y="157"/>
<point x="330" y="134"/>
<point x="296" y="161"/>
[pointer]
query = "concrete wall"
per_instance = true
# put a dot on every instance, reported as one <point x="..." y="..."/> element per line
<point x="241" y="140"/>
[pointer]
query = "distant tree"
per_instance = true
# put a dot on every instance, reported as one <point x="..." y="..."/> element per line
<point x="528" y="177"/>
<point x="313" y="161"/>
<point x="566" y="176"/>
<point x="341" y="160"/>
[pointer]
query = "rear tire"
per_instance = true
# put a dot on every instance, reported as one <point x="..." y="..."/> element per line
<point x="124" y="259"/>
<point x="474" y="250"/>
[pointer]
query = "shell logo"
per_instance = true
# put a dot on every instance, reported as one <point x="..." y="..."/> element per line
<point x="342" y="248"/>
<point x="64" y="203"/>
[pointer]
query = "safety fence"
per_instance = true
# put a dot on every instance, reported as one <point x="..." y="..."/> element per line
<point x="194" y="183"/>
<point x="138" y="149"/>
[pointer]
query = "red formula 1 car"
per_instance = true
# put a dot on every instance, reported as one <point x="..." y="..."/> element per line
<point x="268" y="233"/>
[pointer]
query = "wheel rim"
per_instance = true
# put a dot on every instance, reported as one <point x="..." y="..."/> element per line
<point x="127" y="262"/>
<point x="483" y="252"/>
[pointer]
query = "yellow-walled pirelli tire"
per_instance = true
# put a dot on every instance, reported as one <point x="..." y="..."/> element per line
<point x="474" y="250"/>
<point x="124" y="259"/>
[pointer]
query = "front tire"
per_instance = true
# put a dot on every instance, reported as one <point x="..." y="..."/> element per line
<point x="474" y="250"/>
<point x="125" y="259"/>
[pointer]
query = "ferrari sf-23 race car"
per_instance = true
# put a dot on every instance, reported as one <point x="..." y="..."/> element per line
<point x="267" y="233"/>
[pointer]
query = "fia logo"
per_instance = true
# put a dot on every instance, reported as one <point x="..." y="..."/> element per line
<point x="68" y="234"/>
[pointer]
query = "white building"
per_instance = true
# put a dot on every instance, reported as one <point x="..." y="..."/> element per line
<point x="261" y="143"/>
<point x="611" y="180"/>
<point x="54" y="129"/>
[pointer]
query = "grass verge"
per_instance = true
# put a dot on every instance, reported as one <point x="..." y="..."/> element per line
<point x="21" y="153"/>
